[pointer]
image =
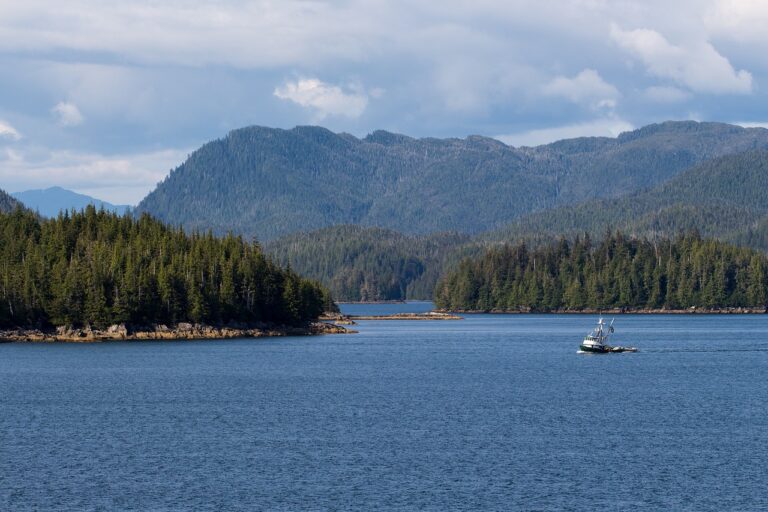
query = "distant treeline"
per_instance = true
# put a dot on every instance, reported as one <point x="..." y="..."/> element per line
<point x="369" y="264"/>
<point x="617" y="272"/>
<point x="96" y="268"/>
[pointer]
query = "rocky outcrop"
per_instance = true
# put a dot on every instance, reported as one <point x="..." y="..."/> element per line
<point x="337" y="318"/>
<point x="181" y="331"/>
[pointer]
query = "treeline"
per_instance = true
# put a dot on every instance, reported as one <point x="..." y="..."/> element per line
<point x="370" y="264"/>
<point x="96" y="268"/>
<point x="617" y="272"/>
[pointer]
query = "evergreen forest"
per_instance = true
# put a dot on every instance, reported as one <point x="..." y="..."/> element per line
<point x="616" y="272"/>
<point x="95" y="268"/>
<point x="372" y="264"/>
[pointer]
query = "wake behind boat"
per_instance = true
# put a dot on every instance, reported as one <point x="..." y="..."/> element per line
<point x="596" y="341"/>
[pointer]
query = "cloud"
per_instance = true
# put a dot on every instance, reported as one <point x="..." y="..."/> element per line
<point x="608" y="127"/>
<point x="8" y="132"/>
<point x="120" y="179"/>
<point x="196" y="33"/>
<point x="150" y="74"/>
<point x="587" y="88"/>
<point x="696" y="65"/>
<point x="665" y="94"/>
<point x="67" y="114"/>
<point x="325" y="99"/>
<point x="742" y="20"/>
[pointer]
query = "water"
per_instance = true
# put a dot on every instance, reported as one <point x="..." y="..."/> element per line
<point x="415" y="306"/>
<point x="490" y="413"/>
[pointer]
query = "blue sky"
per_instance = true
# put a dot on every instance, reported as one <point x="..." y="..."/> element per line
<point x="105" y="97"/>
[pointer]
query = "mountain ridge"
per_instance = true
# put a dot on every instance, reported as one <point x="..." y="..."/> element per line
<point x="50" y="201"/>
<point x="8" y="203"/>
<point x="717" y="197"/>
<point x="253" y="180"/>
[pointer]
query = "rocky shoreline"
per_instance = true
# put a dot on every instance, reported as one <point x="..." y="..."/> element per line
<point x="181" y="331"/>
<point x="431" y="315"/>
<point x="341" y="319"/>
<point x="620" y="311"/>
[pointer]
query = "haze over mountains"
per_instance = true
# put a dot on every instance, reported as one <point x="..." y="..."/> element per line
<point x="50" y="201"/>
<point x="267" y="182"/>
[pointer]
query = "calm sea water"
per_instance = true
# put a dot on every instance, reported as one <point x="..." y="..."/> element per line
<point x="489" y="413"/>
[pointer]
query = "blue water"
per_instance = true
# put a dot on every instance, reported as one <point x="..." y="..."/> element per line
<point x="489" y="413"/>
<point x="416" y="306"/>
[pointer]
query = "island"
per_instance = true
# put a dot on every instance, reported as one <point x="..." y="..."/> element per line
<point x="95" y="275"/>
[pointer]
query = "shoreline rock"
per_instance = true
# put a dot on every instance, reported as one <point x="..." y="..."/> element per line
<point x="181" y="331"/>
<point x="430" y="315"/>
<point x="336" y="319"/>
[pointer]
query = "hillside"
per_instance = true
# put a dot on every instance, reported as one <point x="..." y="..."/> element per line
<point x="266" y="182"/>
<point x="7" y="202"/>
<point x="725" y="197"/>
<point x="50" y="201"/>
<point x="369" y="264"/>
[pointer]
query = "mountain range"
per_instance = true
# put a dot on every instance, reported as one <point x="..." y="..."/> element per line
<point x="266" y="183"/>
<point x="382" y="217"/>
<point x="50" y="201"/>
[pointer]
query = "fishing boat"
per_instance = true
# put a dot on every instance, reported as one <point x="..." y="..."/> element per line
<point x="596" y="341"/>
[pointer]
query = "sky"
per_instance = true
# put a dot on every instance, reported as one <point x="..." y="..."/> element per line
<point x="105" y="97"/>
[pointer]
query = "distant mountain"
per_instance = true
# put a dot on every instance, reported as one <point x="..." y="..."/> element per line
<point x="50" y="201"/>
<point x="8" y="203"/>
<point x="725" y="197"/>
<point x="267" y="183"/>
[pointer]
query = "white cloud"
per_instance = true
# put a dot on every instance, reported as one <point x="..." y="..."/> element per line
<point x="119" y="179"/>
<point x="608" y="127"/>
<point x="190" y="33"/>
<point x="665" y="94"/>
<point x="743" y="20"/>
<point x="324" y="99"/>
<point x="8" y="132"/>
<point x="696" y="65"/>
<point x="588" y="88"/>
<point x="67" y="114"/>
<point x="449" y="68"/>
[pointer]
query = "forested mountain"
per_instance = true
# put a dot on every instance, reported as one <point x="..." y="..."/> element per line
<point x="7" y="202"/>
<point x="268" y="182"/>
<point x="725" y="197"/>
<point x="50" y="201"/>
<point x="618" y="272"/>
<point x="96" y="268"/>
<point x="370" y="264"/>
